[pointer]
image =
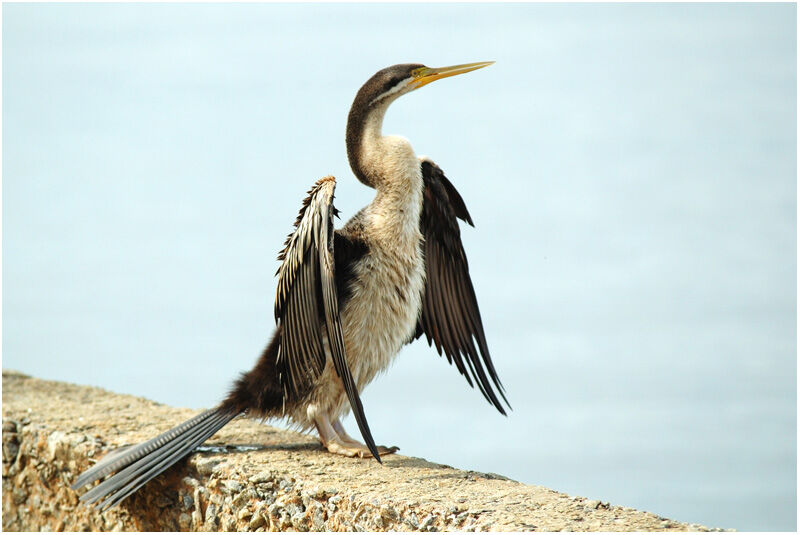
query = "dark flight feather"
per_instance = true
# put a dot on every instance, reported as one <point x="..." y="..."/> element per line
<point x="307" y="304"/>
<point x="450" y="319"/>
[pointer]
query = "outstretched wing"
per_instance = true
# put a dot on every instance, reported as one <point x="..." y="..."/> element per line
<point x="307" y="308"/>
<point x="450" y="317"/>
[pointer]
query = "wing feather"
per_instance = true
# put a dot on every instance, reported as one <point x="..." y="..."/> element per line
<point x="307" y="308"/>
<point x="451" y="319"/>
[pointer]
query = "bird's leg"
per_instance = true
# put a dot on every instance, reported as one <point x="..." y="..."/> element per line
<point x="330" y="440"/>
<point x="339" y="428"/>
<point x="334" y="443"/>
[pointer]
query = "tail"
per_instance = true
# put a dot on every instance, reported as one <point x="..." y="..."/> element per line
<point x="136" y="465"/>
<point x="257" y="392"/>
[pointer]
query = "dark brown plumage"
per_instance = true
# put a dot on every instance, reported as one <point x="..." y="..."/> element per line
<point x="450" y="317"/>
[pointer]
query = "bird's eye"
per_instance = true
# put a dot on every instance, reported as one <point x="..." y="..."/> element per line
<point x="417" y="72"/>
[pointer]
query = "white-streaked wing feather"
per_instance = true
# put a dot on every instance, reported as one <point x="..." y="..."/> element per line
<point x="306" y="305"/>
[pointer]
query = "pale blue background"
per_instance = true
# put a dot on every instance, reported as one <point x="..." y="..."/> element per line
<point x="630" y="169"/>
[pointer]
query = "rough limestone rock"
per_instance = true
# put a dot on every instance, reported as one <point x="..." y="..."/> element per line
<point x="257" y="478"/>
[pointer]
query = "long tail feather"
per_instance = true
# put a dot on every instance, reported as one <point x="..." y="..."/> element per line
<point x="124" y="456"/>
<point x="139" y="464"/>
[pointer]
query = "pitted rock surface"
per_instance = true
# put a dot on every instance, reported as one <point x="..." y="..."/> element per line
<point x="252" y="477"/>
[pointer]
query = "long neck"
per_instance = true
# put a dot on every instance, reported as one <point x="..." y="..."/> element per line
<point x="363" y="136"/>
<point x="388" y="164"/>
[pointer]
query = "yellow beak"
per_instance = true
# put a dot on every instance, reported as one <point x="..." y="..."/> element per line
<point x="426" y="75"/>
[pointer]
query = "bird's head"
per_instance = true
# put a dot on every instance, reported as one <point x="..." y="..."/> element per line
<point x="389" y="83"/>
<point x="372" y="100"/>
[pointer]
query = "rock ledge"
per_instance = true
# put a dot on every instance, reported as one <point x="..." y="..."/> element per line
<point x="257" y="478"/>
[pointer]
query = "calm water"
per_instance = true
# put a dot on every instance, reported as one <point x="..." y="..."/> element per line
<point x="630" y="169"/>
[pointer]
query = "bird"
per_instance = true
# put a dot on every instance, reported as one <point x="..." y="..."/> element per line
<point x="347" y="300"/>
